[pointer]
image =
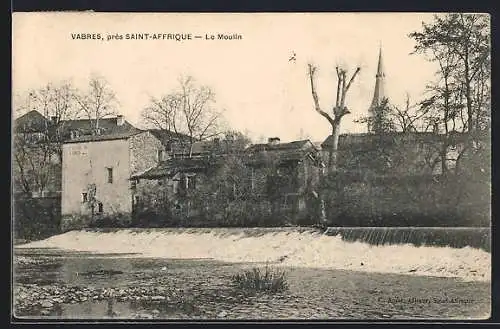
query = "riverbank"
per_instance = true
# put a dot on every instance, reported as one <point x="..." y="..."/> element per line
<point x="74" y="285"/>
<point x="293" y="247"/>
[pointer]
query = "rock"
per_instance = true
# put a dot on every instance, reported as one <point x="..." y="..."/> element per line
<point x="144" y="316"/>
<point x="45" y="312"/>
<point x="46" y="304"/>
<point x="157" y="298"/>
<point x="222" y="314"/>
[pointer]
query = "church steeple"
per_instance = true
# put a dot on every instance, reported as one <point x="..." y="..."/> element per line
<point x="378" y="94"/>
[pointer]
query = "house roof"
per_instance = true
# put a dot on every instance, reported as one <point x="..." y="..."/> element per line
<point x="172" y="166"/>
<point x="110" y="125"/>
<point x="347" y="140"/>
<point x="294" y="151"/>
<point x="166" y="136"/>
<point x="260" y="154"/>
<point x="208" y="147"/>
<point x="105" y="137"/>
<point x="295" y="145"/>
<point x="33" y="121"/>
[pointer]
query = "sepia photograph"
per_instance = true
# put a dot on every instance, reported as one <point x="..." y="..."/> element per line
<point x="251" y="166"/>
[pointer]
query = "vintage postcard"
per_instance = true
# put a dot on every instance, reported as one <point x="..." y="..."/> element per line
<point x="255" y="166"/>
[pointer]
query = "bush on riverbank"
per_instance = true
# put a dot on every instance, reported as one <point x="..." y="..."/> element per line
<point x="262" y="280"/>
<point x="36" y="218"/>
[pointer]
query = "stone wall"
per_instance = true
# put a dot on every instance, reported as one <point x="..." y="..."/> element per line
<point x="144" y="152"/>
<point x="86" y="164"/>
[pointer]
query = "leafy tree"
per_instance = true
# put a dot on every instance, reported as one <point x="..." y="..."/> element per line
<point x="460" y="44"/>
<point x="459" y="98"/>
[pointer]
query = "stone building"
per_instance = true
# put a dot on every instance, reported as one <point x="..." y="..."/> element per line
<point x="38" y="143"/>
<point x="280" y="176"/>
<point x="96" y="173"/>
<point x="285" y="172"/>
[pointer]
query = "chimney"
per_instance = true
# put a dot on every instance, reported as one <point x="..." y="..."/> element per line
<point x="435" y="128"/>
<point x="217" y="145"/>
<point x="119" y="120"/>
<point x="273" y="140"/>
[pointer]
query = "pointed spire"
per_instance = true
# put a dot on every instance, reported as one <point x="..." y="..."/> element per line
<point x="378" y="93"/>
<point x="380" y="67"/>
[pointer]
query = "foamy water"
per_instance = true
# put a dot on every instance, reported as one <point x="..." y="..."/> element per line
<point x="306" y="249"/>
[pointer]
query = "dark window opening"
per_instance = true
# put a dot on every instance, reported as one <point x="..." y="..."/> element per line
<point x="110" y="175"/>
<point x="191" y="183"/>
<point x="100" y="208"/>
<point x="160" y="155"/>
<point x="84" y="197"/>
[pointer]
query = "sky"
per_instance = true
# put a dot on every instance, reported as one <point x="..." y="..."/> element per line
<point x="261" y="92"/>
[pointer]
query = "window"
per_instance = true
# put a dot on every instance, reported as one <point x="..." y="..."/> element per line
<point x="110" y="175"/>
<point x="84" y="197"/>
<point x="190" y="182"/>
<point x="160" y="155"/>
<point x="133" y="184"/>
<point x="100" y="208"/>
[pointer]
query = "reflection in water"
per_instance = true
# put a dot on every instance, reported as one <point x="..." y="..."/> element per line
<point x="97" y="287"/>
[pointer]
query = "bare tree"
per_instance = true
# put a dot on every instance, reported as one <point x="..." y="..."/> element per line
<point x="97" y="102"/>
<point x="32" y="164"/>
<point x="407" y="118"/>
<point x="338" y="111"/>
<point x="190" y="111"/>
<point x="37" y="149"/>
<point x="55" y="101"/>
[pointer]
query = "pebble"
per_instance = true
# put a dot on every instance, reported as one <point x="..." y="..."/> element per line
<point x="156" y="298"/>
<point x="47" y="304"/>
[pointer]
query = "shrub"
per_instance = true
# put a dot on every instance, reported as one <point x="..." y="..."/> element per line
<point x="262" y="280"/>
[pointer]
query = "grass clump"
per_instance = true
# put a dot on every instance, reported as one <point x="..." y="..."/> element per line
<point x="265" y="279"/>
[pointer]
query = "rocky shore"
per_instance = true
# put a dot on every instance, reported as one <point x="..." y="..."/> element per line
<point x="148" y="301"/>
<point x="76" y="286"/>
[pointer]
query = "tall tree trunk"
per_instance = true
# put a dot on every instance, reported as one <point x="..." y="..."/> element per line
<point x="333" y="154"/>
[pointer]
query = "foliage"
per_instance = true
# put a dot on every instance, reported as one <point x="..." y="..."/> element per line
<point x="266" y="280"/>
<point x="362" y="199"/>
<point x="381" y="121"/>
<point x="36" y="218"/>
<point x="35" y="164"/>
<point x="460" y="45"/>
<point x="110" y="220"/>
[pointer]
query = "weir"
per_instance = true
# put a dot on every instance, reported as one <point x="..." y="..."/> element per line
<point x="380" y="250"/>
<point x="455" y="237"/>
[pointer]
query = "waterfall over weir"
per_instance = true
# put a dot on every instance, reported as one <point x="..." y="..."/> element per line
<point x="462" y="253"/>
<point x="456" y="237"/>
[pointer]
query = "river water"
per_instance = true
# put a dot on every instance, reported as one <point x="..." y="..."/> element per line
<point x="61" y="284"/>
